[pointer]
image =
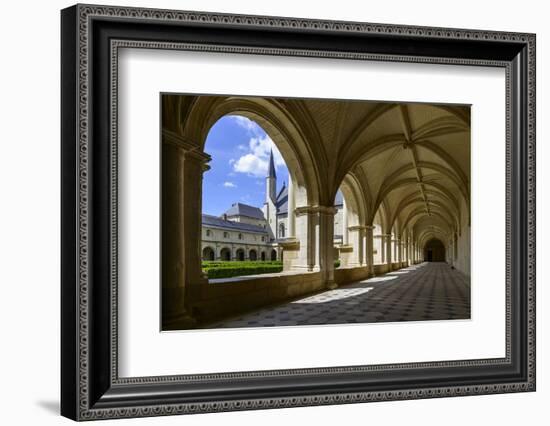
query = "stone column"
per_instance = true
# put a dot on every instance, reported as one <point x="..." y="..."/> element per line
<point x="388" y="251"/>
<point x="183" y="165"/>
<point x="382" y="248"/>
<point x="406" y="250"/>
<point x="345" y="239"/>
<point x="370" y="248"/>
<point x="357" y="235"/>
<point x="326" y="244"/>
<point x="300" y="251"/>
<point x="399" y="252"/>
<point x="291" y="206"/>
<point x="451" y="253"/>
<point x="389" y="258"/>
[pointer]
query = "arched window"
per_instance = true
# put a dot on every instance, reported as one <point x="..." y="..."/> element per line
<point x="208" y="233"/>
<point x="226" y="234"/>
<point x="240" y="236"/>
<point x="282" y="230"/>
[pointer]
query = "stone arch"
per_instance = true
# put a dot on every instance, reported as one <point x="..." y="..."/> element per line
<point x="239" y="254"/>
<point x="225" y="254"/>
<point x="208" y="253"/>
<point x="434" y="250"/>
<point x="253" y="255"/>
<point x="353" y="220"/>
<point x="291" y="135"/>
<point x="262" y="256"/>
<point x="273" y="254"/>
<point x="276" y="121"/>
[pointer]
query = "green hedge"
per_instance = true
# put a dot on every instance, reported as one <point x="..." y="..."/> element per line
<point x="208" y="264"/>
<point x="230" y="269"/>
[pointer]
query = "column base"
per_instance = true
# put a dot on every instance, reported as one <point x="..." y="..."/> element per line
<point x="180" y="322"/>
<point x="331" y="285"/>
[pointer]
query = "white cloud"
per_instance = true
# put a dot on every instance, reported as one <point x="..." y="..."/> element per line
<point x="255" y="162"/>
<point x="251" y="165"/>
<point x="228" y="184"/>
<point x="247" y="124"/>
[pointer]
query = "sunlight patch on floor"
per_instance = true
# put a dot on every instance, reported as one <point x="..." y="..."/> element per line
<point x="380" y="279"/>
<point x="337" y="294"/>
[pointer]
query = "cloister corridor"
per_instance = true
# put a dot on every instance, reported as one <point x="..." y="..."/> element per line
<point x="403" y="172"/>
<point x="426" y="291"/>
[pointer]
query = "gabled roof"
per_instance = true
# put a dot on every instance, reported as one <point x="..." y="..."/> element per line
<point x="240" y="209"/>
<point x="218" y="222"/>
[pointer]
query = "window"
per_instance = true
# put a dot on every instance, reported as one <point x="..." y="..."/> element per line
<point x="226" y="234"/>
<point x="240" y="236"/>
<point x="263" y="238"/>
<point x="281" y="230"/>
<point x="208" y="233"/>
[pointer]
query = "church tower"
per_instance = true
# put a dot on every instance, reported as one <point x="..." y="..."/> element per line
<point x="271" y="181"/>
<point x="270" y="209"/>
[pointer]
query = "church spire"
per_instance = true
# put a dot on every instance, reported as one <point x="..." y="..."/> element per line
<point x="271" y="173"/>
<point x="271" y="181"/>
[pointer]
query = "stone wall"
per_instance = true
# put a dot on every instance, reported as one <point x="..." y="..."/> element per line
<point x="344" y="275"/>
<point x="226" y="297"/>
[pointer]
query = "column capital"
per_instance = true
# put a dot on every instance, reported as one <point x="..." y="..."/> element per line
<point x="331" y="210"/>
<point x="369" y="227"/>
<point x="357" y="228"/>
<point x="190" y="149"/>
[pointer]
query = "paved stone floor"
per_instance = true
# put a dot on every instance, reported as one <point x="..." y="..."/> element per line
<point x="428" y="291"/>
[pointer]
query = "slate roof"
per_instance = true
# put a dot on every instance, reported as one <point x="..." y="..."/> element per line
<point x="240" y="209"/>
<point x="218" y="222"/>
<point x="281" y="201"/>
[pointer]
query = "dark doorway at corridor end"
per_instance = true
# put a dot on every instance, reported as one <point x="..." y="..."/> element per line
<point x="434" y="251"/>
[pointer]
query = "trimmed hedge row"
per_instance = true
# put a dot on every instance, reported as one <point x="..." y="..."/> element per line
<point x="228" y="269"/>
<point x="238" y="269"/>
<point x="208" y="264"/>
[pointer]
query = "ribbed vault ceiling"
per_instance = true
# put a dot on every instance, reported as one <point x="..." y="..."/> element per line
<point x="409" y="163"/>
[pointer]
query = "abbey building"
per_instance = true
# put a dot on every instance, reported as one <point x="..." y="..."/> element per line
<point x="247" y="232"/>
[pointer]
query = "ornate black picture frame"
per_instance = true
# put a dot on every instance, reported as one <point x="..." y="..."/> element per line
<point x="91" y="387"/>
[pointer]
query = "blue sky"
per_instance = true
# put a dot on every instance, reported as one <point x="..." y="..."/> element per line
<point x="240" y="156"/>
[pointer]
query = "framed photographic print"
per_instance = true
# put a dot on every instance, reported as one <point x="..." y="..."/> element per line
<point x="263" y="212"/>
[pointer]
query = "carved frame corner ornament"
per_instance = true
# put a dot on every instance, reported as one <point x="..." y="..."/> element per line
<point x="90" y="38"/>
